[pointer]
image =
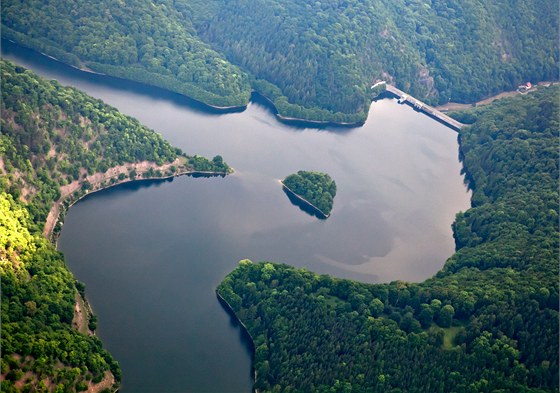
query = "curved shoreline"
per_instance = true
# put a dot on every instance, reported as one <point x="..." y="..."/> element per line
<point x="300" y="122"/>
<point x="68" y="199"/>
<point x="324" y="216"/>
<point x="82" y="68"/>
<point x="291" y="121"/>
<point x="232" y="313"/>
<point x="318" y="123"/>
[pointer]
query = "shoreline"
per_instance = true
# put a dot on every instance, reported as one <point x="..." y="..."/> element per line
<point x="325" y="216"/>
<point x="83" y="68"/>
<point x="291" y="121"/>
<point x="68" y="198"/>
<point x="295" y="121"/>
<point x="232" y="313"/>
<point x="73" y="194"/>
<point x="318" y="123"/>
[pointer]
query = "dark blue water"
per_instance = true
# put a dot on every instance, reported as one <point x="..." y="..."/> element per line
<point x="152" y="254"/>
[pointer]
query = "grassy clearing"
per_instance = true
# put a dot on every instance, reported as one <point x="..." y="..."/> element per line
<point x="449" y="335"/>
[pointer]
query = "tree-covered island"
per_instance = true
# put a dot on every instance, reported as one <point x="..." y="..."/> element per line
<point x="57" y="144"/>
<point x="315" y="189"/>
<point x="314" y="60"/>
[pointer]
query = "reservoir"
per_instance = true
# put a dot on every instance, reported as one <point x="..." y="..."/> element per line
<point x="152" y="253"/>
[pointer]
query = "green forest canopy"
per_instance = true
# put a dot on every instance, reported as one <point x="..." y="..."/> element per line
<point x="52" y="135"/>
<point x="38" y="299"/>
<point x="487" y="322"/>
<point x="315" y="187"/>
<point x="146" y="41"/>
<point x="314" y="60"/>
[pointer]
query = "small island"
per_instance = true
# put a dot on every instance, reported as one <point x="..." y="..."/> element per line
<point x="311" y="190"/>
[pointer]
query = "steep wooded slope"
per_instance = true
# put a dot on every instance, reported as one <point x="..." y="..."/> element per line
<point x="325" y="55"/>
<point x="53" y="136"/>
<point x="141" y="40"/>
<point x="314" y="60"/>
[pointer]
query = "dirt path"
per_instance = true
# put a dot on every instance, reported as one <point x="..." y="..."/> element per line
<point x="455" y="106"/>
<point x="96" y="180"/>
<point x="80" y="320"/>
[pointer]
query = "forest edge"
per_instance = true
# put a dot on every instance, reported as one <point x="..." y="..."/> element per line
<point x="299" y="197"/>
<point x="292" y="121"/>
<point x="113" y="177"/>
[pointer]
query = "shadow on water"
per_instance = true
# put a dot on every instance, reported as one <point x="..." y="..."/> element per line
<point x="143" y="183"/>
<point x="11" y="48"/>
<point x="198" y="175"/>
<point x="305" y="207"/>
<point x="27" y="54"/>
<point x="136" y="185"/>
<point x="297" y="124"/>
<point x="244" y="336"/>
<point x="130" y="186"/>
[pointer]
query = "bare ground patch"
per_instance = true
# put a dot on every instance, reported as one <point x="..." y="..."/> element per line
<point x="455" y="106"/>
<point x="98" y="181"/>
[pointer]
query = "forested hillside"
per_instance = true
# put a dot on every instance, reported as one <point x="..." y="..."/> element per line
<point x="53" y="136"/>
<point x="40" y="349"/>
<point x="314" y="60"/>
<point x="325" y="55"/>
<point x="487" y="322"/>
<point x="316" y="188"/>
<point x="141" y="40"/>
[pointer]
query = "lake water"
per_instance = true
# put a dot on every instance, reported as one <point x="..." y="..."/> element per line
<point x="152" y="253"/>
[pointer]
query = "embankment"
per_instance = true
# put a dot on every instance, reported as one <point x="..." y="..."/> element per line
<point x="73" y="192"/>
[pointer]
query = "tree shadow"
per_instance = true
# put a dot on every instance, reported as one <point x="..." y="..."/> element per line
<point x="304" y="206"/>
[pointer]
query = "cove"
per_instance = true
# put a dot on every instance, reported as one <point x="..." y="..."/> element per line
<point x="152" y="253"/>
